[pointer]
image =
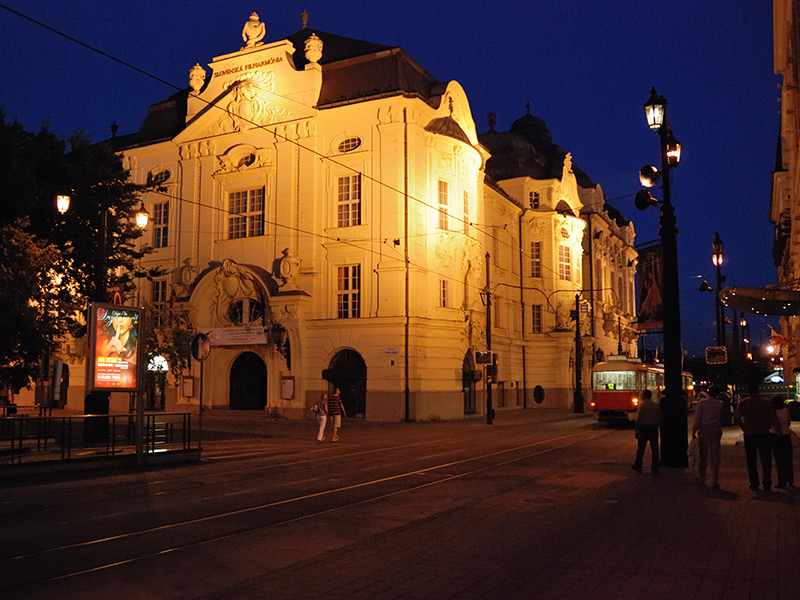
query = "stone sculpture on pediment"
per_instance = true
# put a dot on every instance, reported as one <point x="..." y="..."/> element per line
<point x="288" y="268"/>
<point x="313" y="49"/>
<point x="253" y="32"/>
<point x="197" y="77"/>
<point x="247" y="107"/>
<point x="231" y="282"/>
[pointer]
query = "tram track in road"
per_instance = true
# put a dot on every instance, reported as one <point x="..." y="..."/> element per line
<point x="181" y="480"/>
<point x="169" y="538"/>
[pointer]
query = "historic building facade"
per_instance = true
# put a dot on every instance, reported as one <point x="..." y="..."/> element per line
<point x="328" y="214"/>
<point x="785" y="201"/>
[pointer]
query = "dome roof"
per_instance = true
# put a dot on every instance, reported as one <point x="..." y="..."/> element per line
<point x="532" y="128"/>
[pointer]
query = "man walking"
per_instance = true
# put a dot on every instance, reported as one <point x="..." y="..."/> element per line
<point x="648" y="418"/>
<point x="708" y="429"/>
<point x="756" y="417"/>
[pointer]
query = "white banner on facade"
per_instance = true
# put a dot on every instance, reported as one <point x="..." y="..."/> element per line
<point x="237" y="336"/>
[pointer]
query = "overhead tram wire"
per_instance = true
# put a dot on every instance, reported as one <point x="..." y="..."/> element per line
<point x="274" y="132"/>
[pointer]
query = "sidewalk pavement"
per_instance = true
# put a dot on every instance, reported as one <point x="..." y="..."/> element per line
<point x="599" y="532"/>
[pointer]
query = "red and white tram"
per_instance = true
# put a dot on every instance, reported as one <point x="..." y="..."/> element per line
<point x="618" y="383"/>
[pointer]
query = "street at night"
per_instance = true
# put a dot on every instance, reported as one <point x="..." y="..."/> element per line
<point x="541" y="504"/>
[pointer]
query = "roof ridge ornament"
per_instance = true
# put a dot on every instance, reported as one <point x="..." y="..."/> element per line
<point x="253" y="32"/>
<point x="304" y="18"/>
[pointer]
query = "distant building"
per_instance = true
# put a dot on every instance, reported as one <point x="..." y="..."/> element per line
<point x="328" y="213"/>
<point x="785" y="202"/>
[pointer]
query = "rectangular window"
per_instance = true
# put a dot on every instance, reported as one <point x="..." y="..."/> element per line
<point x="443" y="217"/>
<point x="159" y="298"/>
<point x="536" y="318"/>
<point x="536" y="259"/>
<point x="348" y="201"/>
<point x="159" y="291"/>
<point x="444" y="293"/>
<point x="246" y="213"/>
<point x="161" y="225"/>
<point x="466" y="212"/>
<point x="564" y="262"/>
<point x="349" y="292"/>
<point x="499" y="313"/>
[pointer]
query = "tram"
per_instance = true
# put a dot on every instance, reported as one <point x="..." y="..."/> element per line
<point x="618" y="383"/>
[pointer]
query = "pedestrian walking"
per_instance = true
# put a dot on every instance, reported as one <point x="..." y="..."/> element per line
<point x="335" y="411"/>
<point x="321" y="411"/>
<point x="707" y="427"/>
<point x="648" y="420"/>
<point x="782" y="444"/>
<point x="756" y="417"/>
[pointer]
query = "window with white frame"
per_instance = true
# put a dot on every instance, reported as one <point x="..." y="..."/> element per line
<point x="466" y="212"/>
<point x="160" y="225"/>
<point x="159" y="298"/>
<point x="443" y="200"/>
<point x="244" y="311"/>
<point x="348" y="201"/>
<point x="499" y="313"/>
<point x="444" y="293"/>
<point x="536" y="318"/>
<point x="564" y="262"/>
<point x="536" y="259"/>
<point x="159" y="289"/>
<point x="349" y="292"/>
<point x="246" y="213"/>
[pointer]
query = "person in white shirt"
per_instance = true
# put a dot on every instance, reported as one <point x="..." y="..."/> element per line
<point x="707" y="428"/>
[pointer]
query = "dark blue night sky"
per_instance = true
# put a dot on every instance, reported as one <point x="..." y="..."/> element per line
<point x="585" y="67"/>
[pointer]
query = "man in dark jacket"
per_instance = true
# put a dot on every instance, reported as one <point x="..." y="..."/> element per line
<point x="648" y="418"/>
<point x="756" y="417"/>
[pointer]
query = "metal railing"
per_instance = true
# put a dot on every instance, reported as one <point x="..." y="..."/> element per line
<point x="29" y="438"/>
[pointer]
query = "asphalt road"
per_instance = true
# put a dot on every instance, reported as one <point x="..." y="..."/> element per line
<point x="429" y="510"/>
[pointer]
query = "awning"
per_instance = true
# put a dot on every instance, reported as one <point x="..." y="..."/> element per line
<point x="762" y="301"/>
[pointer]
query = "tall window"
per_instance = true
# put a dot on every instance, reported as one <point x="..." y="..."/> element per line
<point x="444" y="293"/>
<point x="536" y="318"/>
<point x="246" y="213"/>
<point x="564" y="262"/>
<point x="349" y="292"/>
<point x="536" y="259"/>
<point x="443" y="205"/>
<point x="348" y="202"/>
<point x="159" y="291"/>
<point x="466" y="212"/>
<point x="159" y="298"/>
<point x="533" y="199"/>
<point x="161" y="225"/>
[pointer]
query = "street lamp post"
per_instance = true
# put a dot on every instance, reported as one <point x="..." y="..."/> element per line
<point x="717" y="258"/>
<point x="674" y="444"/>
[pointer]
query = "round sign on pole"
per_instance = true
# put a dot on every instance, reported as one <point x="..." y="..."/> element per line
<point x="201" y="347"/>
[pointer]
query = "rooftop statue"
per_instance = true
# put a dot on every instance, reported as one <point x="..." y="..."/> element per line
<point x="253" y="32"/>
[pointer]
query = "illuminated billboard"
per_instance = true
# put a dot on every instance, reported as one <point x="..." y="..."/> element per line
<point x="114" y="347"/>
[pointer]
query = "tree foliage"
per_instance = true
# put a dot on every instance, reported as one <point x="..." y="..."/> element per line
<point x="38" y="301"/>
<point x="40" y="245"/>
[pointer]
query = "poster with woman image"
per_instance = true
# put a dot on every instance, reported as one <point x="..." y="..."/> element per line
<point x="114" y="341"/>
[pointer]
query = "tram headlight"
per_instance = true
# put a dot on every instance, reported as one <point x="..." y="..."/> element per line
<point x="635" y="401"/>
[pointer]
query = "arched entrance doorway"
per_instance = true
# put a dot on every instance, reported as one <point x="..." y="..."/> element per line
<point x="469" y="376"/>
<point x="348" y="372"/>
<point x="248" y="389"/>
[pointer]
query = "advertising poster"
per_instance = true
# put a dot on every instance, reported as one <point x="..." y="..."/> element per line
<point x="651" y="304"/>
<point x="114" y="347"/>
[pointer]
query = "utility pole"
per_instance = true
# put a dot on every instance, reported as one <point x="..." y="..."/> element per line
<point x="488" y="294"/>
<point x="577" y="395"/>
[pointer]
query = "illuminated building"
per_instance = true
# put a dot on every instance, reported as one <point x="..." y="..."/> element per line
<point x="324" y="213"/>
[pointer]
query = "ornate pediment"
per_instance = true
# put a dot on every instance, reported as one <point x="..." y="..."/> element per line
<point x="248" y="102"/>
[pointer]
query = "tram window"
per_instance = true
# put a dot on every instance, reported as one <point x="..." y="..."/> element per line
<point x="614" y="380"/>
